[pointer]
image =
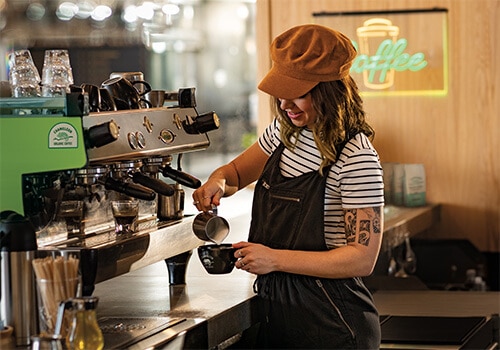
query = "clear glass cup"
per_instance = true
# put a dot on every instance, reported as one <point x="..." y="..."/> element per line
<point x="57" y="279"/>
<point x="24" y="78"/>
<point x="72" y="213"/>
<point x="57" y="74"/>
<point x="51" y="292"/>
<point x="125" y="213"/>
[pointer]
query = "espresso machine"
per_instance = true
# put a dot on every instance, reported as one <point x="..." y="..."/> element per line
<point x="61" y="172"/>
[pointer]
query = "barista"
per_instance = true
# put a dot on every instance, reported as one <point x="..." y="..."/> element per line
<point x="317" y="212"/>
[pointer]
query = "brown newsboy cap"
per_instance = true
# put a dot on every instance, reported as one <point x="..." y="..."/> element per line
<point x="305" y="55"/>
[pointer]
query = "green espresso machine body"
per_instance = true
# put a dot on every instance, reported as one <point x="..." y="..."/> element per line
<point x="36" y="143"/>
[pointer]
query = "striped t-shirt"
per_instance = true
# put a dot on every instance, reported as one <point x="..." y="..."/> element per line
<point x="354" y="181"/>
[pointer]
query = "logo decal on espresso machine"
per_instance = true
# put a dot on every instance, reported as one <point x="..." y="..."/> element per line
<point x="63" y="135"/>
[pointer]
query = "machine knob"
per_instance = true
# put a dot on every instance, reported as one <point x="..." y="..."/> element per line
<point x="102" y="134"/>
<point x="202" y="123"/>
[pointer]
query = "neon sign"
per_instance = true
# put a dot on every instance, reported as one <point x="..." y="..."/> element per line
<point x="401" y="52"/>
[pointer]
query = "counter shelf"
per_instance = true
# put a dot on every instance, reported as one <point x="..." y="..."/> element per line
<point x="414" y="220"/>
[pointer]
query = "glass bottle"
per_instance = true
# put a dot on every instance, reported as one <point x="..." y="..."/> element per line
<point x="85" y="332"/>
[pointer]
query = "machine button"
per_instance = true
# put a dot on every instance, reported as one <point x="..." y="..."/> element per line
<point x="167" y="136"/>
<point x="141" y="140"/>
<point x="132" y="140"/>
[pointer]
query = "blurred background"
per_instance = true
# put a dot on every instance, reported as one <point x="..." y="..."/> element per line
<point x="206" y="44"/>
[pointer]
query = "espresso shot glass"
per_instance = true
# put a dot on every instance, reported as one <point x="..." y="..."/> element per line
<point x="125" y="213"/>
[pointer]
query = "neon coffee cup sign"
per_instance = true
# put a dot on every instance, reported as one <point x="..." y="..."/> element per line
<point x="402" y="52"/>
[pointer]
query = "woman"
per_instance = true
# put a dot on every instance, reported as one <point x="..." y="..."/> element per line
<point x="317" y="214"/>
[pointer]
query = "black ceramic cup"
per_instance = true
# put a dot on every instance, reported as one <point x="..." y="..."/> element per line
<point x="125" y="94"/>
<point x="94" y="96"/>
<point x="217" y="258"/>
<point x="107" y="101"/>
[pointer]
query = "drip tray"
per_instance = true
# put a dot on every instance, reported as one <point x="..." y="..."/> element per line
<point x="121" y="332"/>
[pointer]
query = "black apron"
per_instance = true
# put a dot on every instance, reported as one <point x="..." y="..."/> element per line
<point x="302" y="311"/>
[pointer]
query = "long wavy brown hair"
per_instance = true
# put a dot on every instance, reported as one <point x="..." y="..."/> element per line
<point x="340" y="116"/>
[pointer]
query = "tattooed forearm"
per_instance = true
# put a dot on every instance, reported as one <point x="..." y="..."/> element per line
<point x="361" y="224"/>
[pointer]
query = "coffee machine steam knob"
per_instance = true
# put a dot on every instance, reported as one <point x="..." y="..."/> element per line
<point x="102" y="134"/>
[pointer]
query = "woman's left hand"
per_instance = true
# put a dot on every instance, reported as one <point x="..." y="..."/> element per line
<point x="254" y="258"/>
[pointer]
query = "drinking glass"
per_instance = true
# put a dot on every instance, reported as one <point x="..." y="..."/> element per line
<point x="24" y="78"/>
<point x="57" y="280"/>
<point x="125" y="213"/>
<point x="51" y="292"/>
<point x="57" y="75"/>
<point x="72" y="212"/>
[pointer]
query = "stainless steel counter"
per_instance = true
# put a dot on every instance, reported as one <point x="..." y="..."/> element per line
<point x="219" y="303"/>
<point x="215" y="307"/>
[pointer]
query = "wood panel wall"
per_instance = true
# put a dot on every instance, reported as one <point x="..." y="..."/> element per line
<point x="456" y="137"/>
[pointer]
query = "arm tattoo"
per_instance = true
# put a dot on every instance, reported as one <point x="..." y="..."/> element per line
<point x="368" y="222"/>
<point x="364" y="232"/>
<point x="350" y="225"/>
<point x="377" y="226"/>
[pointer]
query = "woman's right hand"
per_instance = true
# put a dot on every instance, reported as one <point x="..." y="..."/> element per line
<point x="209" y="194"/>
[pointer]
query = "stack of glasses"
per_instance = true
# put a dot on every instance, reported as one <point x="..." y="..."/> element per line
<point x="23" y="76"/>
<point x="25" y="82"/>
<point x="57" y="75"/>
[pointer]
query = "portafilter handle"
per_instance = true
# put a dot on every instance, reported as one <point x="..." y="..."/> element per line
<point x="130" y="189"/>
<point x="156" y="185"/>
<point x="181" y="177"/>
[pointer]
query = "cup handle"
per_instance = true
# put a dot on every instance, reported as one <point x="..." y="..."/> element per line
<point x="147" y="87"/>
<point x="146" y="102"/>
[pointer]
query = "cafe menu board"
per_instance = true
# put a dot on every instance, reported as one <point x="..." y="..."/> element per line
<point x="399" y="52"/>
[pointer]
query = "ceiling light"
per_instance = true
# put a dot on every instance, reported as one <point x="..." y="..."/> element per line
<point x="146" y="10"/>
<point x="101" y="12"/>
<point x="35" y="11"/>
<point x="85" y="9"/>
<point x="170" y="9"/>
<point x="129" y="14"/>
<point x="66" y="11"/>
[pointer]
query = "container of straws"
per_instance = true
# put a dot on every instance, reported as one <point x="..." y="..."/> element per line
<point x="57" y="280"/>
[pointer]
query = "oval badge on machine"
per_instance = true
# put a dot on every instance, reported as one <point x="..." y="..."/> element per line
<point x="63" y="135"/>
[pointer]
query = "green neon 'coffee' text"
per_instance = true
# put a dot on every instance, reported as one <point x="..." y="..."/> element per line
<point x="389" y="56"/>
